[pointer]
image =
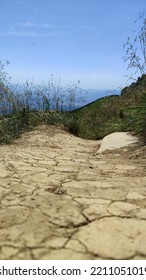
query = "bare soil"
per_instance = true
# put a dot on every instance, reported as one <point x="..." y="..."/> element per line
<point x="59" y="200"/>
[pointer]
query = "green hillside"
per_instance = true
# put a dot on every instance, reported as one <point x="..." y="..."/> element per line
<point x="126" y="112"/>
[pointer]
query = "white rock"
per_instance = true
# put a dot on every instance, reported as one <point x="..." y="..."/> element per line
<point x="116" y="140"/>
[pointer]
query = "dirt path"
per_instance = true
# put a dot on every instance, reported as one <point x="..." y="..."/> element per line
<point x="60" y="201"/>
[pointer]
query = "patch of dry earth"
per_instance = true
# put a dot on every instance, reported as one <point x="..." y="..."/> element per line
<point x="58" y="200"/>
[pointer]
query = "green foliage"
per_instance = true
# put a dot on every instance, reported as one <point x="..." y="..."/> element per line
<point x="72" y="122"/>
<point x="26" y="106"/>
<point x="44" y="97"/>
<point x="11" y="127"/>
<point x="23" y="108"/>
<point x="126" y="112"/>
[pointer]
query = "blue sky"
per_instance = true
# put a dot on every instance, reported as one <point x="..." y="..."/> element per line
<point x="72" y="39"/>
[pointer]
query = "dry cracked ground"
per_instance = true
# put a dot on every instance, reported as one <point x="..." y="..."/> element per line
<point x="58" y="200"/>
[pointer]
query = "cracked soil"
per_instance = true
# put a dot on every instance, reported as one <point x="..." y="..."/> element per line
<point x="58" y="200"/>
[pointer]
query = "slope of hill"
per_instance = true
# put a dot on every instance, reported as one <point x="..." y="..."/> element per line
<point x="126" y="112"/>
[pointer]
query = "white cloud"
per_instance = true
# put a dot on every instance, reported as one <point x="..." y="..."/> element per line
<point x="31" y="24"/>
<point x="32" y="29"/>
<point x="38" y="25"/>
<point x="41" y="29"/>
<point x="23" y="34"/>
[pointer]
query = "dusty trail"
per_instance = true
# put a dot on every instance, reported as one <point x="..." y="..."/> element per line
<point x="60" y="201"/>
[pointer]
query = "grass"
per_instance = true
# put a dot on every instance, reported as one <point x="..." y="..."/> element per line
<point x="12" y="126"/>
<point x="126" y="112"/>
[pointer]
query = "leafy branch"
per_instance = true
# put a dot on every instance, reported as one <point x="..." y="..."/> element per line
<point x="136" y="49"/>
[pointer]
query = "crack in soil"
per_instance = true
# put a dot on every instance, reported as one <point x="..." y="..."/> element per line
<point x="60" y="200"/>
